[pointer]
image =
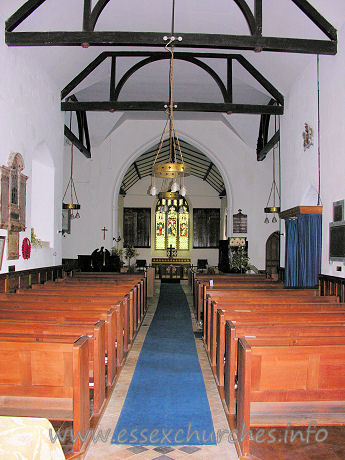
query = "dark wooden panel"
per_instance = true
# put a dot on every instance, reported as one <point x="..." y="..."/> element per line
<point x="206" y="227"/>
<point x="137" y="226"/>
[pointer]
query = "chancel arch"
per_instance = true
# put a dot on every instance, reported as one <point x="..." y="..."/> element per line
<point x="173" y="227"/>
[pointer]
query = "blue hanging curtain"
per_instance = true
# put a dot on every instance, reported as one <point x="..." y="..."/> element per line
<point x="310" y="244"/>
<point x="291" y="253"/>
<point x="303" y="250"/>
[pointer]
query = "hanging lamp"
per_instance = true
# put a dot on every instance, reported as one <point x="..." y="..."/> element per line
<point x="272" y="208"/>
<point x="175" y="169"/>
<point x="73" y="204"/>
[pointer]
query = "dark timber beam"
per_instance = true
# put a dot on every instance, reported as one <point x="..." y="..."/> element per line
<point x="122" y="106"/>
<point x="83" y="74"/>
<point x="258" y="17"/>
<point x="261" y="79"/>
<point x="87" y="14"/>
<point x="137" y="170"/>
<point x="208" y="171"/>
<point x="229" y="79"/>
<point x="112" y="96"/>
<point x="247" y="13"/>
<point x="96" y="12"/>
<point x="269" y="146"/>
<point x="189" y="40"/>
<point x="317" y="18"/>
<point x="22" y="13"/>
<point x="194" y="58"/>
<point x="158" y="56"/>
<point x="75" y="141"/>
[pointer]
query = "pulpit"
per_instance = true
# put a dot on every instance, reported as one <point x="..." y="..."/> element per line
<point x="171" y="269"/>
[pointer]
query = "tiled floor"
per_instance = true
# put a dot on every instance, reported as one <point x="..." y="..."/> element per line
<point x="105" y="450"/>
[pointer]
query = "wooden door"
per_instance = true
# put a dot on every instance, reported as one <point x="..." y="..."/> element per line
<point x="273" y="254"/>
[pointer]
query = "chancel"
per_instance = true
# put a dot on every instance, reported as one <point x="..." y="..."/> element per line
<point x="172" y="228"/>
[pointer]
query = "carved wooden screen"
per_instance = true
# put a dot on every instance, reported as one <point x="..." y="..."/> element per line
<point x="137" y="226"/>
<point x="206" y="227"/>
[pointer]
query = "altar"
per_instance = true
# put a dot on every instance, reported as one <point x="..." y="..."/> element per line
<point x="171" y="269"/>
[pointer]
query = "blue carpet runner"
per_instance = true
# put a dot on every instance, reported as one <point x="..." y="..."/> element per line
<point x="166" y="403"/>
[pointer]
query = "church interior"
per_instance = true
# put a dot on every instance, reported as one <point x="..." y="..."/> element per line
<point x="172" y="233"/>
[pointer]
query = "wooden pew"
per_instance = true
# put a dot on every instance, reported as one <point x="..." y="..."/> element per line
<point x="270" y="318"/>
<point x="247" y="292"/>
<point x="257" y="317"/>
<point x="224" y="299"/>
<point x="218" y="319"/>
<point x="50" y="380"/>
<point x="52" y="331"/>
<point x="88" y="291"/>
<point x="74" y="317"/>
<point x="241" y="329"/>
<point x="114" y="326"/>
<point x="117" y="277"/>
<point x="203" y="288"/>
<point x="55" y="301"/>
<point x="269" y="396"/>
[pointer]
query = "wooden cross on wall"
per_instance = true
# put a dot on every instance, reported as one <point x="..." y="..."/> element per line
<point x="104" y="230"/>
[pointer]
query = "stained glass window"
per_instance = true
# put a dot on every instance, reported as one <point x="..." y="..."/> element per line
<point x="160" y="230"/>
<point x="172" y="224"/>
<point x="172" y="228"/>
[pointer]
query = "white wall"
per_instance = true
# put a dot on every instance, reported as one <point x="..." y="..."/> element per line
<point x="299" y="168"/>
<point x="30" y="117"/>
<point x="98" y="181"/>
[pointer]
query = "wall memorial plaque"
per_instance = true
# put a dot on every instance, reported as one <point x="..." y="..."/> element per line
<point x="239" y="222"/>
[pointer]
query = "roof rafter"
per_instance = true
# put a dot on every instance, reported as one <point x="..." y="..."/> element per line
<point x="113" y="104"/>
<point x="255" y="41"/>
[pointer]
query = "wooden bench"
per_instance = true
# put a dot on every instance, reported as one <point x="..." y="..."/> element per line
<point x="246" y="293"/>
<point x="73" y="317"/>
<point x="295" y="383"/>
<point x="46" y="331"/>
<point x="56" y="301"/>
<point x="241" y="329"/>
<point x="218" y="347"/>
<point x="203" y="289"/>
<point x="50" y="380"/>
<point x="87" y="291"/>
<point x="218" y="319"/>
<point x="223" y="300"/>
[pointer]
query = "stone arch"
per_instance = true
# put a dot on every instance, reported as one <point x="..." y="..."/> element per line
<point x="122" y="169"/>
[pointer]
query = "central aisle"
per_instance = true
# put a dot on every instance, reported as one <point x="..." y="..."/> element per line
<point x="166" y="402"/>
<point x="102" y="449"/>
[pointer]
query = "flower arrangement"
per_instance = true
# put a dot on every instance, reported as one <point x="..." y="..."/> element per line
<point x="239" y="262"/>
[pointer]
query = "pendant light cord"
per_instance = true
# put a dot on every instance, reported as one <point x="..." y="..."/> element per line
<point x="170" y="120"/>
<point x="318" y="132"/>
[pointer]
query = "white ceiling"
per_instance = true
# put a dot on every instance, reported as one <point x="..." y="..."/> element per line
<point x="280" y="18"/>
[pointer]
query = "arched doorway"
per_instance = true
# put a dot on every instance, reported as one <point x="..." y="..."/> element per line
<point x="273" y="254"/>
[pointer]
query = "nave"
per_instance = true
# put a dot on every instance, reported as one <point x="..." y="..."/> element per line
<point x="59" y="333"/>
<point x="112" y="413"/>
